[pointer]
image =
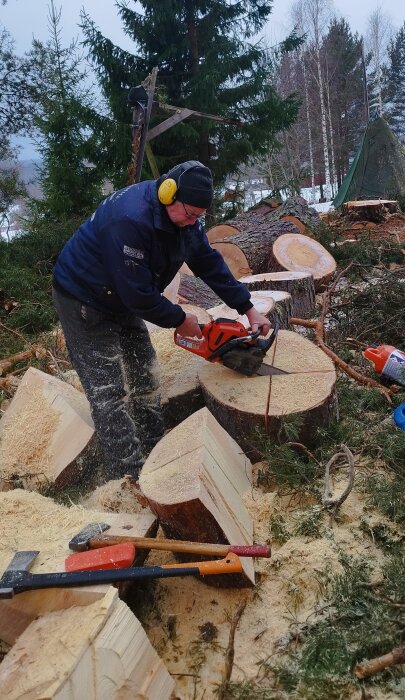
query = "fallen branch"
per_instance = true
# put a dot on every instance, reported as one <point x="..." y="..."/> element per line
<point x="369" y="668"/>
<point x="333" y="504"/>
<point x="7" y="363"/>
<point x="230" y="652"/>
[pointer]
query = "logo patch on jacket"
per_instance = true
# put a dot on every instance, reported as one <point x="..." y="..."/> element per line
<point x="134" y="252"/>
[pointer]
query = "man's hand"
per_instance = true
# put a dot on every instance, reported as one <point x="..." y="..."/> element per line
<point x="190" y="328"/>
<point x="258" y="321"/>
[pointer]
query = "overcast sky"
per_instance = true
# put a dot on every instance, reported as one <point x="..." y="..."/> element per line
<point x="27" y="18"/>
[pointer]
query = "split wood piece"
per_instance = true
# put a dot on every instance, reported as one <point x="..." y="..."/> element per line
<point x="218" y="233"/>
<point x="179" y="386"/>
<point x="276" y="306"/>
<point x="249" y="251"/>
<point x="299" y="253"/>
<point x="243" y="404"/>
<point x="33" y="522"/>
<point x="300" y="285"/>
<point x="95" y="650"/>
<point x="380" y="663"/>
<point x="45" y="434"/>
<point x="193" y="481"/>
<point x="197" y="292"/>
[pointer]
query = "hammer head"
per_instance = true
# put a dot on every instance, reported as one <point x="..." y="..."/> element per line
<point x="81" y="541"/>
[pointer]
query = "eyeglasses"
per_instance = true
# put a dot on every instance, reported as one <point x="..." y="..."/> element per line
<point x="189" y="215"/>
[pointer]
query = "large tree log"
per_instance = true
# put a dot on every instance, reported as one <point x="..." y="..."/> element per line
<point x="299" y="253"/>
<point x="45" y="434"/>
<point x="218" y="233"/>
<point x="95" y="650"/>
<point x="275" y="305"/>
<point x="296" y="209"/>
<point x="197" y="292"/>
<point x="249" y="252"/>
<point x="300" y="285"/>
<point x="193" y="480"/>
<point x="33" y="522"/>
<point x="242" y="404"/>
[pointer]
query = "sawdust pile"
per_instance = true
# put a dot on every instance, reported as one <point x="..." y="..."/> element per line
<point x="189" y="623"/>
<point x="26" y="439"/>
<point x="116" y="496"/>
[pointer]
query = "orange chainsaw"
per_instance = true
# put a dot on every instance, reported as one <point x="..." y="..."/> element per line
<point x="235" y="346"/>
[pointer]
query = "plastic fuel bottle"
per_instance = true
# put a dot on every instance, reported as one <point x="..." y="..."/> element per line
<point x="388" y="361"/>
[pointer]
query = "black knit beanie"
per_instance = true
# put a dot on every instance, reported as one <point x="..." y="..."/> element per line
<point x="194" y="182"/>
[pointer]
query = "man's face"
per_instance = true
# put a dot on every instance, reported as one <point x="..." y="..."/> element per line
<point x="183" y="214"/>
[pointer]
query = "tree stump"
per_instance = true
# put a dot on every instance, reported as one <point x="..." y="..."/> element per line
<point x="276" y="306"/>
<point x="299" y="253"/>
<point x="243" y="404"/>
<point x="300" y="285"/>
<point x="193" y="481"/>
<point x="371" y="209"/>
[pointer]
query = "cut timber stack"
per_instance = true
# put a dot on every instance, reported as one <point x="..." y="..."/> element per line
<point x="300" y="285"/>
<point x="45" y="433"/>
<point x="71" y="643"/>
<point x="299" y="253"/>
<point x="193" y="480"/>
<point x="242" y="404"/>
<point x="276" y="306"/>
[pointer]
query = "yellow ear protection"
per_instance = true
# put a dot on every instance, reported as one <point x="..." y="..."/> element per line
<point x="167" y="191"/>
<point x="169" y="187"/>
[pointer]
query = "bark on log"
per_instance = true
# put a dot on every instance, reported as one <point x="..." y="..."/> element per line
<point x="373" y="666"/>
<point x="218" y="233"/>
<point x="300" y="285"/>
<point x="275" y="305"/>
<point x="193" y="480"/>
<point x="299" y="253"/>
<point x="197" y="292"/>
<point x="297" y="208"/>
<point x="242" y="404"/>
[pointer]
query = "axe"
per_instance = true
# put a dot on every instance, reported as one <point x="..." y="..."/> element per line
<point x="92" y="537"/>
<point x="17" y="578"/>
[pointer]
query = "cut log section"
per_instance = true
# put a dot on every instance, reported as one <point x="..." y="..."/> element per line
<point x="371" y="209"/>
<point x="33" y="522"/>
<point x="243" y="404"/>
<point x="276" y="306"/>
<point x="44" y="433"/>
<point x="300" y="285"/>
<point x="193" y="480"/>
<point x="218" y="233"/>
<point x="249" y="251"/>
<point x="299" y="253"/>
<point x="95" y="650"/>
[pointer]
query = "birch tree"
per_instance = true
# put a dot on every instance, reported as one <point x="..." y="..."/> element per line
<point x="378" y="36"/>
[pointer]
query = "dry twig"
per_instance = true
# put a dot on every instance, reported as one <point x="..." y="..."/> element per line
<point x="230" y="652"/>
<point x="369" y="668"/>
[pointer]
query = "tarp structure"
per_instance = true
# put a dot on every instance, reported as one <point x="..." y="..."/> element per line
<point x="378" y="169"/>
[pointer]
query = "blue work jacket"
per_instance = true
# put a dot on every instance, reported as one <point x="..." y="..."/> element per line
<point x="128" y="251"/>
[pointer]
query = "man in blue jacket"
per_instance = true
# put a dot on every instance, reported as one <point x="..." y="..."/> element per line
<point x="109" y="279"/>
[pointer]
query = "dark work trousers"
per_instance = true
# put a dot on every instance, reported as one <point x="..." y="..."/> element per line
<point x="117" y="366"/>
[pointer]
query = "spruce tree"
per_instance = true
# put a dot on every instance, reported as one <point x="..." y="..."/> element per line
<point x="207" y="60"/>
<point x="67" y="141"/>
<point x="396" y="83"/>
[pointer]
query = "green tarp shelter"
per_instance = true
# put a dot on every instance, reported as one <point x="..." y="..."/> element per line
<point x="378" y="169"/>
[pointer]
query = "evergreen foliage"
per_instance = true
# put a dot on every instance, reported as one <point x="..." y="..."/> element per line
<point x="396" y="83"/>
<point x="206" y="62"/>
<point x="67" y="141"/>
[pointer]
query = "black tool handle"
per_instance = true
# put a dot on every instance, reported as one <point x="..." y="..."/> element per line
<point x="20" y="581"/>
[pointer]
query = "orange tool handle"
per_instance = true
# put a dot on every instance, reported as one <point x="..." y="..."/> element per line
<point x="165" y="545"/>
<point x="231" y="564"/>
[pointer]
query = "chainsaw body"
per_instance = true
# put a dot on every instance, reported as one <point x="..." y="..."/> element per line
<point x="232" y="344"/>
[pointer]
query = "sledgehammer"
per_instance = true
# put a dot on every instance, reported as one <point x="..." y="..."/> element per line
<point x="91" y="537"/>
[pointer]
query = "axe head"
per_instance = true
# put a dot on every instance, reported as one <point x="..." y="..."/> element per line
<point x="21" y="562"/>
<point x="80" y="542"/>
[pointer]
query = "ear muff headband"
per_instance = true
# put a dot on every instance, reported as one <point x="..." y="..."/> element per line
<point x="168" y="188"/>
